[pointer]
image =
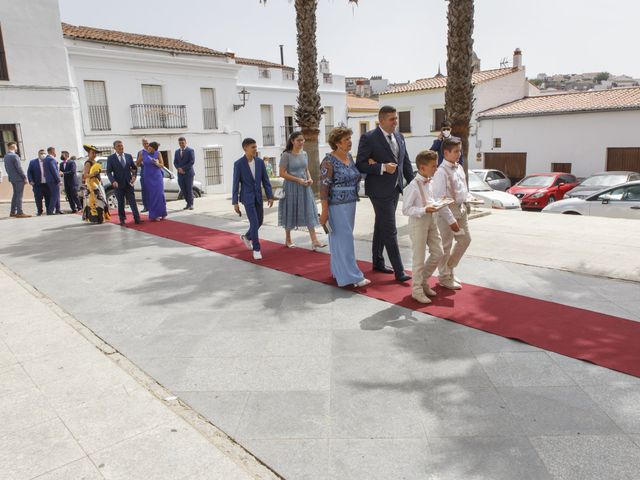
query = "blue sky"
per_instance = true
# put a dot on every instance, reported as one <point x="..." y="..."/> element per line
<point x="400" y="40"/>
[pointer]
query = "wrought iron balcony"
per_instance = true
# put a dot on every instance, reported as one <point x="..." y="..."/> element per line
<point x="286" y="132"/>
<point x="268" y="136"/>
<point x="158" y="116"/>
<point x="99" y="117"/>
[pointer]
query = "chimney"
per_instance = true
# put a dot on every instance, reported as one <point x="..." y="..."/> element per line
<point x="517" y="59"/>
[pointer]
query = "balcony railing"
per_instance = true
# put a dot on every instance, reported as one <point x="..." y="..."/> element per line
<point x="327" y="131"/>
<point x="286" y="132"/>
<point x="327" y="78"/>
<point x="268" y="136"/>
<point x="158" y="116"/>
<point x="288" y="75"/>
<point x="210" y="118"/>
<point x="99" y="117"/>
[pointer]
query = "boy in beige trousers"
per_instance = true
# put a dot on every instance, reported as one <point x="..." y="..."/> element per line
<point x="417" y="204"/>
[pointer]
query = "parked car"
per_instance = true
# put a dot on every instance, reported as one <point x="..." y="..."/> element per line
<point x="538" y="190"/>
<point x="492" y="198"/>
<point x="600" y="181"/>
<point x="171" y="187"/>
<point x="621" y="201"/>
<point x="495" y="178"/>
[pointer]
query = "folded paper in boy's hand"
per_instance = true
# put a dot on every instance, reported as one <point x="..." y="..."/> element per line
<point x="459" y="232"/>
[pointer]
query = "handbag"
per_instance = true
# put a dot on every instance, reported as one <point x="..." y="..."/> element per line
<point x="279" y="194"/>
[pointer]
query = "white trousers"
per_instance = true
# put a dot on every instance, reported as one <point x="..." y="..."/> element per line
<point x="451" y="257"/>
<point x="423" y="232"/>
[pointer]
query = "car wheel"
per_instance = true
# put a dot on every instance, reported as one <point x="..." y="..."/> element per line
<point x="551" y="200"/>
<point x="197" y="193"/>
<point x="112" y="201"/>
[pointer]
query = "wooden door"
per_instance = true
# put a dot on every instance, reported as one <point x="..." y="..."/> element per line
<point x="512" y="164"/>
<point x="626" y="159"/>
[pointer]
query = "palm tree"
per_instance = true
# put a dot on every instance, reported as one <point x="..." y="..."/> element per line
<point x="309" y="110"/>
<point x="459" y="92"/>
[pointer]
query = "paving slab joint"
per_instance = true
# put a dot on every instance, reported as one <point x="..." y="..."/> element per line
<point x="223" y="442"/>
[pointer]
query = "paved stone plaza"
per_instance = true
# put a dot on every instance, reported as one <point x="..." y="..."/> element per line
<point x="323" y="383"/>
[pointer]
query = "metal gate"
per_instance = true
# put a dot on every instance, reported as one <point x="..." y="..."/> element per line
<point x="514" y="165"/>
<point x="626" y="159"/>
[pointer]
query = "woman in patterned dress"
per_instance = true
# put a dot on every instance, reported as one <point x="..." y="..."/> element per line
<point x="96" y="209"/>
<point x="339" y="182"/>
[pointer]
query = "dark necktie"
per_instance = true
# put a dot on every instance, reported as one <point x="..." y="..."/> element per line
<point x="122" y="162"/>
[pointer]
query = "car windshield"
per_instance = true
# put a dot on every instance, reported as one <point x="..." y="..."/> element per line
<point x="537" y="181"/>
<point x="476" y="184"/>
<point x="604" y="181"/>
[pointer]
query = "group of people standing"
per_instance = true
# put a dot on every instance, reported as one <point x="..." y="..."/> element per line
<point x="87" y="194"/>
<point x="435" y="199"/>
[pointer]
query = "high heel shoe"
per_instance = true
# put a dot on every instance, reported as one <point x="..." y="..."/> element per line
<point x="291" y="245"/>
<point x="362" y="283"/>
<point x="316" y="247"/>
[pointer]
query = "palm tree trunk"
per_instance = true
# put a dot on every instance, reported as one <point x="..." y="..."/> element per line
<point x="459" y="92"/>
<point x="309" y="110"/>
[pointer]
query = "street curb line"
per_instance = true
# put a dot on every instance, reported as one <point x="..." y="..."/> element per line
<point x="223" y="442"/>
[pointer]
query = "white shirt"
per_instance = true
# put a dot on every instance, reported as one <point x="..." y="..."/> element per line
<point x="450" y="182"/>
<point x="252" y="167"/>
<point x="43" y="179"/>
<point x="395" y="148"/>
<point x="412" y="202"/>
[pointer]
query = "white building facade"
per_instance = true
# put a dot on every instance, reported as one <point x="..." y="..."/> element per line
<point x="421" y="105"/>
<point x="69" y="85"/>
<point x="362" y="116"/>
<point x="580" y="133"/>
<point x="38" y="102"/>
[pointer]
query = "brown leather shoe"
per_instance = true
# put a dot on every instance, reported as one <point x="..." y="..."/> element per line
<point x="12" y="214"/>
<point x="22" y="215"/>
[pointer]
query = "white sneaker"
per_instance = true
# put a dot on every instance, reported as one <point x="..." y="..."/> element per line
<point x="362" y="283"/>
<point x="428" y="291"/>
<point x="257" y="255"/>
<point x="247" y="242"/>
<point x="450" y="283"/>
<point x="420" y="297"/>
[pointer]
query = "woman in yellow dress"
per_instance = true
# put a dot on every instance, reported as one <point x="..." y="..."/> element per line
<point x="95" y="209"/>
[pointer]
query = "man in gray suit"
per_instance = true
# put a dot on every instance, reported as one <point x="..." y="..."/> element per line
<point x="17" y="178"/>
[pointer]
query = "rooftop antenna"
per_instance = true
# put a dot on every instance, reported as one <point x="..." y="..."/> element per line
<point x="504" y="63"/>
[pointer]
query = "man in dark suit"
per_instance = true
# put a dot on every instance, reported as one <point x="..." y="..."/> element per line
<point x="68" y="172"/>
<point x="43" y="177"/>
<point x="55" y="186"/>
<point x="249" y="176"/>
<point x="382" y="155"/>
<point x="183" y="160"/>
<point x="121" y="171"/>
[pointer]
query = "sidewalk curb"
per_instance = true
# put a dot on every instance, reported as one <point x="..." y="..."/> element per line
<point x="232" y="449"/>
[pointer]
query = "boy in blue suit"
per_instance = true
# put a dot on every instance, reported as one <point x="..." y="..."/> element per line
<point x="249" y="176"/>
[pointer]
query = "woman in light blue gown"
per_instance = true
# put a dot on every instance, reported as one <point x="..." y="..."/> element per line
<point x="339" y="181"/>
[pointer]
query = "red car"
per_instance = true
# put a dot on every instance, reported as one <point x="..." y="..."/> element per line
<point x="538" y="190"/>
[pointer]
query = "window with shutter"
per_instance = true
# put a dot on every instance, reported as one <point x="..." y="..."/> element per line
<point x="97" y="105"/>
<point x="439" y="116"/>
<point x="209" y="113"/>
<point x="404" y="120"/>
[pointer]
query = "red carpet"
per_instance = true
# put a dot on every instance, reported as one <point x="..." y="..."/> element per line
<point x="605" y="340"/>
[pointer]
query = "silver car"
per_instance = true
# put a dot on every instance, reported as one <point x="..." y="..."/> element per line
<point x="621" y="201"/>
<point x="495" y="178"/>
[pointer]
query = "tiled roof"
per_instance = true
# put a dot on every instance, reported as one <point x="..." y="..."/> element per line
<point x="441" y="82"/>
<point x="261" y="63"/>
<point x="355" y="103"/>
<point x="593" y="101"/>
<point x="137" y="40"/>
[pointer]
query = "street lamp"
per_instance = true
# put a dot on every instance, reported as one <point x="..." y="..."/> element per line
<point x="244" y="96"/>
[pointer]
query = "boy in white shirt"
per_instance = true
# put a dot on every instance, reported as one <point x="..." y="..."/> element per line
<point x="450" y="182"/>
<point x="417" y="199"/>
